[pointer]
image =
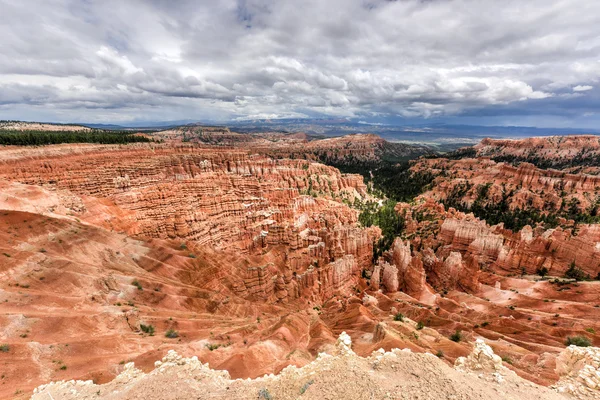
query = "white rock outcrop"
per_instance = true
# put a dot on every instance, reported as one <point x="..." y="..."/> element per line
<point x="341" y="375"/>
<point x="579" y="368"/>
<point x="483" y="360"/>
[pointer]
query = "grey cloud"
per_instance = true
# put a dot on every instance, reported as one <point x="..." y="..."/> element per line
<point x="230" y="58"/>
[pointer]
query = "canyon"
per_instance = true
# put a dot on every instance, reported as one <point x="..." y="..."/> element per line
<point x="247" y="252"/>
<point x="346" y="151"/>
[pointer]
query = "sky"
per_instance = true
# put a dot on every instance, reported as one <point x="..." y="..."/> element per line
<point x="488" y="62"/>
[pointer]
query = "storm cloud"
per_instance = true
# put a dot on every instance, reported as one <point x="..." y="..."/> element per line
<point x="67" y="60"/>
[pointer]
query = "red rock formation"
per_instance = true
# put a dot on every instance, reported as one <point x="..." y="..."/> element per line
<point x="526" y="185"/>
<point x="256" y="262"/>
<point x="554" y="151"/>
<point x="215" y="197"/>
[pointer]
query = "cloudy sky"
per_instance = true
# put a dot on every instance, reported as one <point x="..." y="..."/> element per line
<point x="534" y="62"/>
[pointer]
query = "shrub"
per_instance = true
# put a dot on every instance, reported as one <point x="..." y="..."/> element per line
<point x="575" y="272"/>
<point x="149" y="329"/>
<point x="264" y="394"/>
<point x="137" y="284"/>
<point x="212" y="347"/>
<point x="420" y="325"/>
<point x="172" y="334"/>
<point x="4" y="348"/>
<point x="484" y="324"/>
<point x="440" y="354"/>
<point x="306" y="386"/>
<point x="543" y="271"/>
<point x="456" y="336"/>
<point x="507" y="360"/>
<point x="580" y="341"/>
<point x="63" y="367"/>
<point x="590" y="330"/>
<point x="399" y="317"/>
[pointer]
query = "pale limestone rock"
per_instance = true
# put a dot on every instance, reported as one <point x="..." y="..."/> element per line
<point x="579" y="368"/>
<point x="482" y="358"/>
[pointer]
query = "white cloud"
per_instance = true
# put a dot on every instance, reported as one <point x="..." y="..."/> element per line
<point x="112" y="59"/>
<point x="207" y="59"/>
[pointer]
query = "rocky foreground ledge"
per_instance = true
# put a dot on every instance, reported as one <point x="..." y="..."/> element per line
<point x="398" y="374"/>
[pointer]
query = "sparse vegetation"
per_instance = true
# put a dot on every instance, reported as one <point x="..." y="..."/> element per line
<point x="172" y="334"/>
<point x="580" y="341"/>
<point x="4" y="348"/>
<point x="399" y="317"/>
<point x="137" y="284"/>
<point x="305" y="387"/>
<point x="583" y="158"/>
<point x="149" y="329"/>
<point x="440" y="354"/>
<point x="495" y="210"/>
<point x="264" y="394"/>
<point x="456" y="336"/>
<point x="420" y="325"/>
<point x="576" y="273"/>
<point x="507" y="360"/>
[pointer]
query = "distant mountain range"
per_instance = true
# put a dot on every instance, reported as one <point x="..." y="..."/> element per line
<point x="443" y="136"/>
